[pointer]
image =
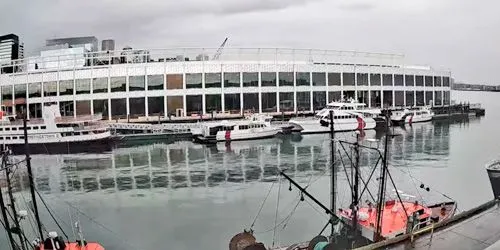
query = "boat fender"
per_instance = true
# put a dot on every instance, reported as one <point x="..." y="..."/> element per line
<point x="241" y="241"/>
<point x="315" y="241"/>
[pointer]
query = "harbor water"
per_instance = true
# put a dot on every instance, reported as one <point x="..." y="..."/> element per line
<point x="187" y="196"/>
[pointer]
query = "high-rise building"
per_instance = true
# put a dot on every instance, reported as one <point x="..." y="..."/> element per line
<point x="89" y="43"/>
<point x="10" y="48"/>
<point x="108" y="45"/>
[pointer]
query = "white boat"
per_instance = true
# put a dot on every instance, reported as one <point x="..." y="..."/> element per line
<point x="348" y="116"/>
<point x="254" y="127"/>
<point x="412" y="115"/>
<point x="55" y="134"/>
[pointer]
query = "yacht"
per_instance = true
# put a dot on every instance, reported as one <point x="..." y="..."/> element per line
<point x="348" y="116"/>
<point x="54" y="134"/>
<point x="411" y="115"/>
<point x="251" y="128"/>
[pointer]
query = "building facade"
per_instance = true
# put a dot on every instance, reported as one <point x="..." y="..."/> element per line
<point x="11" y="48"/>
<point x="90" y="43"/>
<point x="241" y="80"/>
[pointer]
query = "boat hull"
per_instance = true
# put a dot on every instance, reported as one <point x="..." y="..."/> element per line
<point x="314" y="126"/>
<point x="69" y="147"/>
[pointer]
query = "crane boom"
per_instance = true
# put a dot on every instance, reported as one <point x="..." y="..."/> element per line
<point x="219" y="50"/>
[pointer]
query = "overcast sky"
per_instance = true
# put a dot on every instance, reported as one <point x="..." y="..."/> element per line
<point x="461" y="35"/>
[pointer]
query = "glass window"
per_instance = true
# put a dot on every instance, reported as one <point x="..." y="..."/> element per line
<point x="409" y="80"/>
<point x="137" y="107"/>
<point x="375" y="98"/>
<point x="286" y="101"/>
<point x="319" y="100"/>
<point x="194" y="104"/>
<point x="101" y="107"/>
<point x="100" y="85"/>
<point x="213" y="103"/>
<point x="20" y="93"/>
<point x="285" y="78"/>
<point x="67" y="108"/>
<point x="175" y="103"/>
<point x="388" y="98"/>
<point x="212" y="80"/>
<point x="118" y="84"/>
<point x="156" y="105"/>
<point x="428" y="81"/>
<point x="334" y="79"/>
<point x="194" y="81"/>
<point x="250" y="79"/>
<point x="409" y="99"/>
<point x="303" y="79"/>
<point x="420" y="98"/>
<point x="268" y="79"/>
<point x="118" y="108"/>
<point x="387" y="80"/>
<point x="334" y="96"/>
<point x="438" y="98"/>
<point x="136" y="83"/>
<point x="268" y="102"/>
<point x="437" y="81"/>
<point x="82" y="107"/>
<point x="35" y="110"/>
<point x="429" y="99"/>
<point x="398" y="80"/>
<point x="319" y="78"/>
<point x="374" y="79"/>
<point x="348" y="79"/>
<point x="362" y="79"/>
<point x="175" y="81"/>
<point x="399" y="98"/>
<point x="419" y="81"/>
<point x="446" y="97"/>
<point x="155" y="82"/>
<point x="50" y="89"/>
<point x="35" y="90"/>
<point x="251" y="102"/>
<point x="446" y="81"/>
<point x="303" y="101"/>
<point x="231" y="80"/>
<point x="66" y="87"/>
<point x="232" y="103"/>
<point x="83" y="85"/>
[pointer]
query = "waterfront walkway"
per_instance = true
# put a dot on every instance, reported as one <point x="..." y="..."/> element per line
<point x="478" y="232"/>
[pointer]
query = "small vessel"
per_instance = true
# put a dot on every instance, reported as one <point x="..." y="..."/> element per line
<point x="254" y="127"/>
<point x="493" y="169"/>
<point x="348" y="116"/>
<point x="55" y="134"/>
<point x="411" y="115"/>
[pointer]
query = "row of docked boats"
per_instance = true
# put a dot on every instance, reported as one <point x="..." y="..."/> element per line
<point x="55" y="134"/>
<point x="347" y="116"/>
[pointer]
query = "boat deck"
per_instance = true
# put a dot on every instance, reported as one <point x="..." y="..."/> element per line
<point x="477" y="232"/>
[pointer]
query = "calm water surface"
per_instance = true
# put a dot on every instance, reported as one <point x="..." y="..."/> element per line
<point x="187" y="196"/>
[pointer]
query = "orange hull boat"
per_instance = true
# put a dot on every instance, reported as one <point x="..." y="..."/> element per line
<point x="75" y="246"/>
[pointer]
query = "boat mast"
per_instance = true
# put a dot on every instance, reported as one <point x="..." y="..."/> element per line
<point x="333" y="187"/>
<point x="30" y="177"/>
<point x="355" y="194"/>
<point x="382" y="181"/>
<point x="4" y="216"/>
<point x="12" y="201"/>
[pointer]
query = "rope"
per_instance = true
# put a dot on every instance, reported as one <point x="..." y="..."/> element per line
<point x="52" y="215"/>
<point x="262" y="205"/>
<point x="277" y="207"/>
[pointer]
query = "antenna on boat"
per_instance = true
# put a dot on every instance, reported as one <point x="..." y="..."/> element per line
<point x="30" y="176"/>
<point x="382" y="180"/>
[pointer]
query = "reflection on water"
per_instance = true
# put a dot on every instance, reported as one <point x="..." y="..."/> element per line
<point x="186" y="165"/>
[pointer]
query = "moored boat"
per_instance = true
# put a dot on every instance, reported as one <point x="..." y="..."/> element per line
<point x="237" y="130"/>
<point x="411" y="115"/>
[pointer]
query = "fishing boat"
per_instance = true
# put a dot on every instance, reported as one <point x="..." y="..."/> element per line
<point x="255" y="127"/>
<point x="363" y="222"/>
<point x="55" y="134"/>
<point x="348" y="116"/>
<point x="51" y="240"/>
<point x="493" y="170"/>
<point x="411" y="115"/>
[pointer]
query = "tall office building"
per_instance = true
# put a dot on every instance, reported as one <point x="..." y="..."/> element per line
<point x="89" y="43"/>
<point x="10" y="48"/>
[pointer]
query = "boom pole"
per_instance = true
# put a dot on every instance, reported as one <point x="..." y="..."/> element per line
<point x="333" y="187"/>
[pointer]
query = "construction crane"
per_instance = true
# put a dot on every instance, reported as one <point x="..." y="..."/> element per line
<point x="219" y="50"/>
